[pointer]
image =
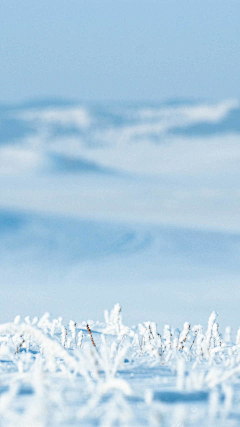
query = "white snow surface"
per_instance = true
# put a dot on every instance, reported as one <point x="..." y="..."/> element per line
<point x="131" y="202"/>
<point x="107" y="374"/>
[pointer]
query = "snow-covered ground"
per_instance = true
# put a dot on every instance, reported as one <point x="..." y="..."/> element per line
<point x="119" y="202"/>
<point x="136" y="203"/>
<point x="107" y="374"/>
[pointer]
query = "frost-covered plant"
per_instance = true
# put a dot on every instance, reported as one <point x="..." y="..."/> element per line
<point x="208" y="341"/>
<point x="149" y="340"/>
<point x="184" y="335"/>
<point x="113" y="320"/>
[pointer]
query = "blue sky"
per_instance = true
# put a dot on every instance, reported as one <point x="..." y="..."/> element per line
<point x="119" y="49"/>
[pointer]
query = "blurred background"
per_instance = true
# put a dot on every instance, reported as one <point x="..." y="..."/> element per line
<point x="119" y="159"/>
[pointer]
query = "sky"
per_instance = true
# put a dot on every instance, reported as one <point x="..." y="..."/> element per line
<point x="119" y="49"/>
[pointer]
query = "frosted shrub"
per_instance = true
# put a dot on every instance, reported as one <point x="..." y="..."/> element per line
<point x="167" y="335"/>
<point x="148" y="339"/>
<point x="113" y="319"/>
<point x="208" y="341"/>
<point x="183" y="335"/>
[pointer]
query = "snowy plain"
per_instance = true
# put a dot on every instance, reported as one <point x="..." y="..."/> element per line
<point x="120" y="202"/>
<point x="108" y="374"/>
<point x="136" y="203"/>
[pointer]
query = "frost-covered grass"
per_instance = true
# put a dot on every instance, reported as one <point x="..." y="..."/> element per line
<point x="108" y="374"/>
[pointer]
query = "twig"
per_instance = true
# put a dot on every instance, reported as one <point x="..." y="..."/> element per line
<point x="90" y="333"/>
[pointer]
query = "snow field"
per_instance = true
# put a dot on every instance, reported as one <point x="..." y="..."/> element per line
<point x="108" y="374"/>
